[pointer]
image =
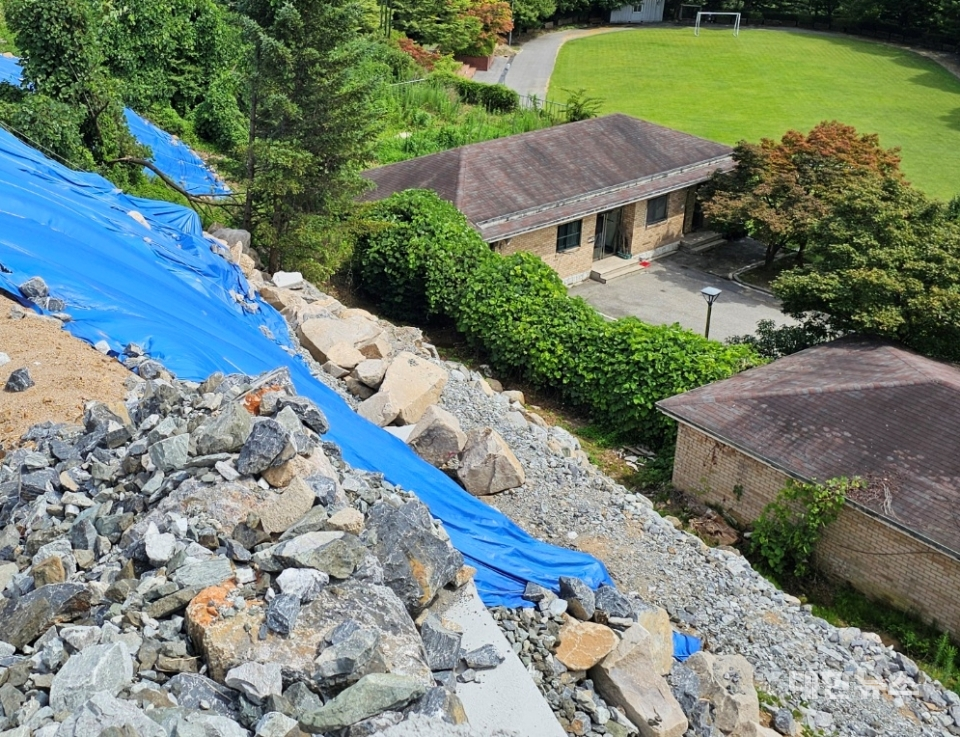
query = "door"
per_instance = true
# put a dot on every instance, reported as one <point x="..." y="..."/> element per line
<point x="606" y="237"/>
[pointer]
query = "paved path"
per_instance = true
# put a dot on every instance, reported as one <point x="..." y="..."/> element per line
<point x="668" y="291"/>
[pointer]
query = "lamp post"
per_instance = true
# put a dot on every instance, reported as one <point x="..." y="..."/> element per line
<point x="710" y="294"/>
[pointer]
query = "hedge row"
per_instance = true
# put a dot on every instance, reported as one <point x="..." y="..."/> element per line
<point x="424" y="261"/>
<point x="497" y="98"/>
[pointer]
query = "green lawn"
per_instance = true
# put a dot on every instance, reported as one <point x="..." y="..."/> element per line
<point x="768" y="81"/>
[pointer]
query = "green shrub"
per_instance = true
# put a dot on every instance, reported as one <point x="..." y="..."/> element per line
<point x="496" y="98"/>
<point x="47" y="124"/>
<point x="425" y="261"/>
<point x="218" y="118"/>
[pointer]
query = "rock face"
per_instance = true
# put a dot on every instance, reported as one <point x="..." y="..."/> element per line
<point x="487" y="465"/>
<point x="371" y="695"/>
<point x="96" y="669"/>
<point x="412" y="384"/>
<point x="584" y="644"/>
<point x="628" y="679"/>
<point x="417" y="563"/>
<point x="437" y="437"/>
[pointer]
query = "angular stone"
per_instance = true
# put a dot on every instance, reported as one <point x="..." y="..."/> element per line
<point x="368" y="697"/>
<point x="726" y="681"/>
<point x="370" y="372"/>
<point x="256" y="681"/>
<point x="34" y="289"/>
<point x="611" y="603"/>
<point x="229" y="641"/>
<point x="413" y="384"/>
<point x="304" y="583"/>
<point x="437" y="437"/>
<point x="656" y="622"/>
<point x="536" y="593"/>
<point x="19" y="381"/>
<point x="159" y="547"/>
<point x="487" y="465"/>
<point x="170" y="454"/>
<point x="225" y="433"/>
<point x="287" y="279"/>
<point x="274" y="724"/>
<point x="192" y="690"/>
<point x="282" y="613"/>
<point x="171" y="604"/>
<point x="347" y="519"/>
<point x="380" y="409"/>
<point x="483" y="657"/>
<point x="269" y="444"/>
<point x="358" y="389"/>
<point x="584" y="644"/>
<point x="96" y="669"/>
<point x="103" y="712"/>
<point x="48" y="571"/>
<point x="349" y="659"/>
<point x="579" y="597"/>
<point x="301" y="698"/>
<point x="308" y="412"/>
<point x="335" y="553"/>
<point x="22" y="621"/>
<point x="416" y="562"/>
<point x="287" y="507"/>
<point x="344" y="355"/>
<point x="628" y="679"/>
<point x="442" y="645"/>
<point x="203" y="573"/>
<point x="439" y="703"/>
<point x="319" y="335"/>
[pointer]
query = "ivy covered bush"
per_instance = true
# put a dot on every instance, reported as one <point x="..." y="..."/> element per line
<point x="422" y="260"/>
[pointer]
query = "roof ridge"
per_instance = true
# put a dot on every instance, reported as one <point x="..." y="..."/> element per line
<point x="462" y="162"/>
<point x="794" y="391"/>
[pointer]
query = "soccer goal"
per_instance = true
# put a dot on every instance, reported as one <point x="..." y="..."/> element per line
<point x="687" y="12"/>
<point x="711" y="14"/>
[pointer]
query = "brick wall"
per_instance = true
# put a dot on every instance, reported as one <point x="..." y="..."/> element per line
<point x="648" y="237"/>
<point x="877" y="558"/>
<point x="543" y="243"/>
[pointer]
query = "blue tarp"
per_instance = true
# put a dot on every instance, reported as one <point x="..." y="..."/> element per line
<point x="684" y="646"/>
<point x="163" y="288"/>
<point x="170" y="155"/>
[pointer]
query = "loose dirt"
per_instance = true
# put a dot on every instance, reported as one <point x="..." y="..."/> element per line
<point x="66" y="371"/>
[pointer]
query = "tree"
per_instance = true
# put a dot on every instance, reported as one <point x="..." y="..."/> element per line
<point x="532" y="13"/>
<point x="885" y="261"/>
<point x="313" y="120"/>
<point x="780" y="190"/>
<point x="445" y="24"/>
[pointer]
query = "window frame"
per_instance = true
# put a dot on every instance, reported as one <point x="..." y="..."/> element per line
<point x="652" y="219"/>
<point x="564" y="235"/>
<point x="638" y="7"/>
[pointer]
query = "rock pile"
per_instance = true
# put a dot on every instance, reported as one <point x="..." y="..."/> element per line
<point x="198" y="560"/>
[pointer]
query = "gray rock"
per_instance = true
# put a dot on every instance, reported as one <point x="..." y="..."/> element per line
<point x="439" y="703"/>
<point x="335" y="553"/>
<point x="268" y="445"/>
<point x="282" y="613"/>
<point x="98" y="668"/>
<point x="34" y="289"/>
<point x="483" y="657"/>
<point x="274" y="724"/>
<point x="783" y="721"/>
<point x="579" y="597"/>
<point x="203" y="573"/>
<point x="103" y="712"/>
<point x="308" y="413"/>
<point x="26" y="618"/>
<point x="304" y="583"/>
<point x="256" y="681"/>
<point x="302" y="699"/>
<point x="170" y="454"/>
<point x="442" y="645"/>
<point x="225" y="433"/>
<point x="350" y="658"/>
<point x="536" y="593"/>
<point x="611" y="603"/>
<point x="371" y="695"/>
<point x="159" y="547"/>
<point x="416" y="562"/>
<point x="437" y="437"/>
<point x="193" y="690"/>
<point x="19" y="381"/>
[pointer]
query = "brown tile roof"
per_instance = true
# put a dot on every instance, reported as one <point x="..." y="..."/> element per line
<point x="532" y="180"/>
<point x="849" y="408"/>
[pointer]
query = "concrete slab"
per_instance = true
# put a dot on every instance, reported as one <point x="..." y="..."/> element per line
<point x="505" y="697"/>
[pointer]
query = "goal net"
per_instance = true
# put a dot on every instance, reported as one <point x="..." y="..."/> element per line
<point x="710" y="15"/>
<point x="687" y="12"/>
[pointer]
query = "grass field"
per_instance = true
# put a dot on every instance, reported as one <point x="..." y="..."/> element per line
<point x="768" y="81"/>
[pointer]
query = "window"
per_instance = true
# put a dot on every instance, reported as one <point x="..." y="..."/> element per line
<point x="638" y="8"/>
<point x="657" y="209"/>
<point x="568" y="236"/>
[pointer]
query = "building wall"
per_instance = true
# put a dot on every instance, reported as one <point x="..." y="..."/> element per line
<point x="877" y="558"/>
<point x="651" y="12"/>
<point x="647" y="239"/>
<point x="571" y="265"/>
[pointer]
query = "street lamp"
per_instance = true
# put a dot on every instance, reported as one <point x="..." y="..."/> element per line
<point x="710" y="294"/>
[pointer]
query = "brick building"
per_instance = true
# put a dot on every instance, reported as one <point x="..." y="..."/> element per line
<point x="607" y="188"/>
<point x="847" y="408"/>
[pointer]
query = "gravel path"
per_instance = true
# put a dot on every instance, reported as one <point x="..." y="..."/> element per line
<point x="843" y="681"/>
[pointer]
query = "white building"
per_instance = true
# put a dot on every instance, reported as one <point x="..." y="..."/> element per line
<point x="645" y="11"/>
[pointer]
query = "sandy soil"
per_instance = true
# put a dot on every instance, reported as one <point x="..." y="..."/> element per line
<point x="67" y="373"/>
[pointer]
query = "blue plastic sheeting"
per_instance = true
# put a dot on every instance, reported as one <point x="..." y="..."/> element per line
<point x="170" y="155"/>
<point x="685" y="645"/>
<point x="163" y="288"/>
<point x="175" y="159"/>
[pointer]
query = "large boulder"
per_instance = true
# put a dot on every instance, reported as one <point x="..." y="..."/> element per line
<point x="416" y="561"/>
<point x="628" y="678"/>
<point x="437" y="437"/>
<point x="225" y="433"/>
<point x="23" y="620"/>
<point x="584" y="644"/>
<point x="333" y="552"/>
<point x="487" y="465"/>
<point x="726" y="681"/>
<point x="654" y="622"/>
<point x="380" y="409"/>
<point x="287" y="507"/>
<point x="103" y="711"/>
<point x="233" y="638"/>
<point x="412" y="384"/>
<point x="320" y="335"/>
<point x="95" y="669"/>
<point x="371" y="695"/>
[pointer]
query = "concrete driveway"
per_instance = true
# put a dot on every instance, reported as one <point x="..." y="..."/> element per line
<point x="668" y="291"/>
